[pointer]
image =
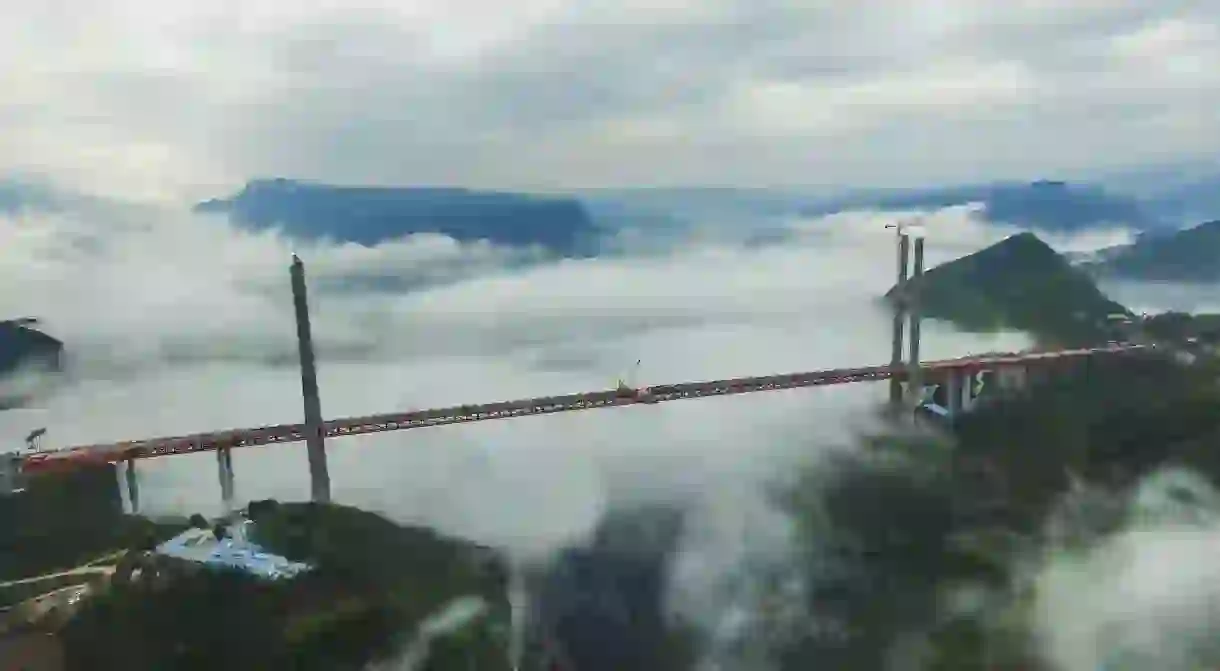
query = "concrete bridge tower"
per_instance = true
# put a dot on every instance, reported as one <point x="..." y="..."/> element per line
<point x="906" y="309"/>
<point x="319" y="474"/>
<point x="914" y="371"/>
<point x="899" y="307"/>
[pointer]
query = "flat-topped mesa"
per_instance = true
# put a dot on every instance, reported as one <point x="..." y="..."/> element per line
<point x="369" y="215"/>
<point x="1042" y="205"/>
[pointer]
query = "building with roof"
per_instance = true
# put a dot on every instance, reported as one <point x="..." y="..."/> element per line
<point x="233" y="551"/>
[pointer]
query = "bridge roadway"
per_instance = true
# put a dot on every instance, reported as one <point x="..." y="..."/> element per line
<point x="71" y="457"/>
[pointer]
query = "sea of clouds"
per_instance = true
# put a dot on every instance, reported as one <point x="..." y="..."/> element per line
<point x="178" y="323"/>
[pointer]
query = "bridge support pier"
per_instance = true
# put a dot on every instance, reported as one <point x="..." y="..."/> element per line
<point x="915" y="371"/>
<point x="132" y="481"/>
<point x="1011" y="379"/>
<point x="224" y="465"/>
<point x="315" y="445"/>
<point x="956" y="387"/>
<point x="1000" y="381"/>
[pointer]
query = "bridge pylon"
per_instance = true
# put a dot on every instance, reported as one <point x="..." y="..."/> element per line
<point x="899" y="307"/>
<point x="907" y="318"/>
<point x="315" y="440"/>
<point x="224" y="466"/>
<point x="914" y="369"/>
<point x="132" y="481"/>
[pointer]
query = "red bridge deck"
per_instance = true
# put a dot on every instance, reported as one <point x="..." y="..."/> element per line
<point x="286" y="433"/>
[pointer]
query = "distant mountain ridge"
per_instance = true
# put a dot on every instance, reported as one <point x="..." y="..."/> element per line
<point x="1190" y="255"/>
<point x="370" y="215"/>
<point x="1021" y="284"/>
<point x="1181" y="193"/>
<point x="583" y="222"/>
<point x="1044" y="205"/>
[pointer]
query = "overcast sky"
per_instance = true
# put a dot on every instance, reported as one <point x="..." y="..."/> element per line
<point x="151" y="97"/>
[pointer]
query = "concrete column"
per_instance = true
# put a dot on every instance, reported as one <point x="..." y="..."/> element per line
<point x="954" y="387"/>
<point x="315" y="445"/>
<point x="968" y="398"/>
<point x="899" y="318"/>
<point x="132" y="481"/>
<point x="1034" y="375"/>
<point x="915" y="373"/>
<point x="224" y="467"/>
<point x="1011" y="379"/>
<point x="10" y="468"/>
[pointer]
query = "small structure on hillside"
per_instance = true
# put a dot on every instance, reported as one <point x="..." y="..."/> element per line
<point x="33" y="441"/>
<point x="231" y="550"/>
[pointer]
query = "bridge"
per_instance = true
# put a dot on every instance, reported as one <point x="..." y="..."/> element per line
<point x="957" y="380"/>
<point x="934" y="372"/>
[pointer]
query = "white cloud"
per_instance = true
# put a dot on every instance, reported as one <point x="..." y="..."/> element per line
<point x="1153" y="297"/>
<point x="1145" y="597"/>
<point x="175" y="323"/>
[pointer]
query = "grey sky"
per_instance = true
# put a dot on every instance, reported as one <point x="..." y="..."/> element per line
<point x="147" y="98"/>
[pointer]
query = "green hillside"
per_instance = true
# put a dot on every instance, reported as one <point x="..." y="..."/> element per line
<point x="1020" y="284"/>
<point x="375" y="583"/>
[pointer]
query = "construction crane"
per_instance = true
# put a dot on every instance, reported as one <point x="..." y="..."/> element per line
<point x="33" y="440"/>
<point x="627" y="390"/>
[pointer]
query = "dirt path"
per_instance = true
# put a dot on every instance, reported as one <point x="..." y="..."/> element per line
<point x="80" y="570"/>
